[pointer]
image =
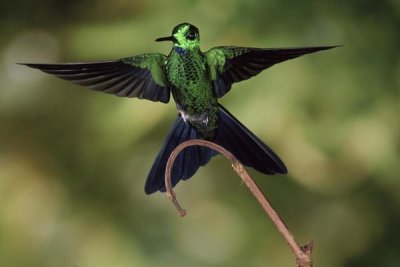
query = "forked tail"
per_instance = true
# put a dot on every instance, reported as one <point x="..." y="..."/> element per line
<point x="230" y="134"/>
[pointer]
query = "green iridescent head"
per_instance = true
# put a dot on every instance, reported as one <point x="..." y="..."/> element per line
<point x="184" y="35"/>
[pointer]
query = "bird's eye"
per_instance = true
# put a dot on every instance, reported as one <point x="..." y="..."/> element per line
<point x="191" y="36"/>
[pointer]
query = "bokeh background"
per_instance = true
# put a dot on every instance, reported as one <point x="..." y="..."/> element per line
<point x="73" y="162"/>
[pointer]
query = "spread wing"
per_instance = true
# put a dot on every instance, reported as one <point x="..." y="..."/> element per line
<point x="229" y="64"/>
<point x="141" y="76"/>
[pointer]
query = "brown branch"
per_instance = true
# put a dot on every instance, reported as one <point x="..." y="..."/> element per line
<point x="302" y="254"/>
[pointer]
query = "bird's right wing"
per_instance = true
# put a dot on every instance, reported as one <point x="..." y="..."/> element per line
<point x="230" y="64"/>
<point x="141" y="76"/>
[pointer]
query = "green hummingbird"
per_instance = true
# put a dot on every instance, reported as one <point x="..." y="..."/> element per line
<point x="196" y="81"/>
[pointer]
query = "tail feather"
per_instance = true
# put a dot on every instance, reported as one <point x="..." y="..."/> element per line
<point x="230" y="134"/>
<point x="187" y="162"/>
<point x="247" y="147"/>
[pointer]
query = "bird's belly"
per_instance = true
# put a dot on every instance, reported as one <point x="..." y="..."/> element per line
<point x="192" y="91"/>
<point x="194" y="103"/>
<point x="198" y="107"/>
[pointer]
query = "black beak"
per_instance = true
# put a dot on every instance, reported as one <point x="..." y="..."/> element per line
<point x="169" y="38"/>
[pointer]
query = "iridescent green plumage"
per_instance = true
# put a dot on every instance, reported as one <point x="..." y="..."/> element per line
<point x="196" y="81"/>
<point x="190" y="85"/>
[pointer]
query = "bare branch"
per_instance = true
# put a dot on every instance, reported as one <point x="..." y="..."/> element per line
<point x="302" y="254"/>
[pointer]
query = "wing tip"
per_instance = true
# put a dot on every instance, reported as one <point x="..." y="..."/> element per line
<point x="32" y="65"/>
<point x="330" y="47"/>
<point x="24" y="64"/>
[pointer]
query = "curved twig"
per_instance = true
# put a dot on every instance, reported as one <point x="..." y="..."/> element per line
<point x="302" y="254"/>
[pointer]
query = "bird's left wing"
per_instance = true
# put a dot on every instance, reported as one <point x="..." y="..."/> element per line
<point x="230" y="64"/>
<point x="141" y="76"/>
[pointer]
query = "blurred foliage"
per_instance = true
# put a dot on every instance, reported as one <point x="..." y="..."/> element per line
<point x="73" y="162"/>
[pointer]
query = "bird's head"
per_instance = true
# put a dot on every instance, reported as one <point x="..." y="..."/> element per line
<point x="185" y="36"/>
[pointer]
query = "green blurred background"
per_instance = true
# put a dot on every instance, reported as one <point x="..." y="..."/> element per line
<point x="73" y="162"/>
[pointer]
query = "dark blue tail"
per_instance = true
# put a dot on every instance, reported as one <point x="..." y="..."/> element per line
<point x="187" y="162"/>
<point x="242" y="143"/>
<point x="230" y="134"/>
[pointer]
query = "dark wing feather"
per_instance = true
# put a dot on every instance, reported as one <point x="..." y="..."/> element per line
<point x="229" y="64"/>
<point x="140" y="76"/>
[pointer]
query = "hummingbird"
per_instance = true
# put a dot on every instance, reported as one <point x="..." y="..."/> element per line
<point x="196" y="80"/>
